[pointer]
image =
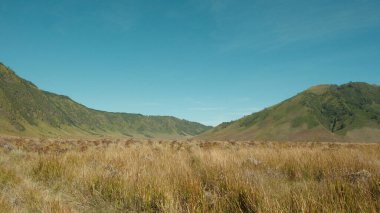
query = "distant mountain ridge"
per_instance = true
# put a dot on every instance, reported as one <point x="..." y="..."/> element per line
<point x="29" y="111"/>
<point x="349" y="112"/>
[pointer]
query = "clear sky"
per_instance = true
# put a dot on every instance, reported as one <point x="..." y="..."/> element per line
<point x="203" y="60"/>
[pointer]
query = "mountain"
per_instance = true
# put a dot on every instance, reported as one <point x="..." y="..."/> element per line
<point x="28" y="111"/>
<point x="349" y="112"/>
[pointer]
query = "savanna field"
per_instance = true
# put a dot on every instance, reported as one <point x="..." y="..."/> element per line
<point x="104" y="175"/>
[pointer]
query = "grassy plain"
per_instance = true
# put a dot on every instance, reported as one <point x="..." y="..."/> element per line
<point x="54" y="175"/>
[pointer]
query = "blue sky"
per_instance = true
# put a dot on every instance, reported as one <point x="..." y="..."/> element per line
<point x="203" y="60"/>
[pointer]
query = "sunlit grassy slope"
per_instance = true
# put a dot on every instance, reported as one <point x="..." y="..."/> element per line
<point x="187" y="176"/>
<point x="349" y="112"/>
<point x="26" y="110"/>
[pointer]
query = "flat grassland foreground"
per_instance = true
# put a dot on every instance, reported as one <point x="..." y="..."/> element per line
<point x="41" y="175"/>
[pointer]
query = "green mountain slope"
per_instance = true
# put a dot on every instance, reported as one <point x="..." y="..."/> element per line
<point x="26" y="110"/>
<point x="349" y="112"/>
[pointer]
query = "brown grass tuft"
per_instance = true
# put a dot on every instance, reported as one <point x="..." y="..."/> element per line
<point x="188" y="176"/>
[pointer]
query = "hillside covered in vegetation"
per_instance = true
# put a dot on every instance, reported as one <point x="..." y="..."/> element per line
<point x="349" y="112"/>
<point x="26" y="110"/>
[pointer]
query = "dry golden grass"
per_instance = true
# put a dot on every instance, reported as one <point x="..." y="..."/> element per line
<point x="187" y="176"/>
